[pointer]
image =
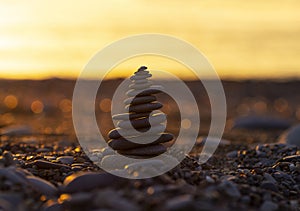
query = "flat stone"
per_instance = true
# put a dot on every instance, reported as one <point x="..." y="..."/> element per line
<point x="115" y="134"/>
<point x="140" y="86"/>
<point x="66" y="159"/>
<point x="143" y="108"/>
<point x="140" y="100"/>
<point x="16" y="130"/>
<point x="143" y="122"/>
<point x="126" y="116"/>
<point x="141" y="76"/>
<point x="85" y="182"/>
<point x="48" y="165"/>
<point x="150" y="91"/>
<point x="141" y="81"/>
<point x="42" y="186"/>
<point x="123" y="144"/>
<point x="261" y="122"/>
<point x="291" y="136"/>
<point x="145" y="151"/>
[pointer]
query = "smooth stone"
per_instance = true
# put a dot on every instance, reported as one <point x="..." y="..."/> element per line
<point x="142" y="76"/>
<point x="11" y="175"/>
<point x="114" y="134"/>
<point x="145" y="151"/>
<point x="12" y="202"/>
<point x="42" y="186"/>
<point x="112" y="199"/>
<point x="260" y="122"/>
<point x="143" y="108"/>
<point x="8" y="158"/>
<point x="139" y="100"/>
<point x="269" y="178"/>
<point x="291" y="136"/>
<point x="269" y="186"/>
<point x="140" y="81"/>
<point x="232" y="154"/>
<point x="45" y="149"/>
<point x="66" y="159"/>
<point x="86" y="182"/>
<point x="48" y="165"/>
<point x="268" y="206"/>
<point x="113" y="162"/>
<point x="150" y="91"/>
<point x="22" y="130"/>
<point x="140" y="86"/>
<point x="124" y="144"/>
<point x="78" y="199"/>
<point x="141" y="123"/>
<point x="230" y="188"/>
<point x="126" y="116"/>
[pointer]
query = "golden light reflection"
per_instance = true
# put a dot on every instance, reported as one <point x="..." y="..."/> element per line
<point x="11" y="101"/>
<point x="37" y="107"/>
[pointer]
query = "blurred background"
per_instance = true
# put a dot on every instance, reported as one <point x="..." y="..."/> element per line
<point x="257" y="39"/>
<point x="254" y="47"/>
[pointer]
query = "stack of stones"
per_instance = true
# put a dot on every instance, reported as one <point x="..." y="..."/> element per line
<point x="140" y="104"/>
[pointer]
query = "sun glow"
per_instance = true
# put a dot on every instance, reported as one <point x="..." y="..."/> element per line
<point x="40" y="39"/>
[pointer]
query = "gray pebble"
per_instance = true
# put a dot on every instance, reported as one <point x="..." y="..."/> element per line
<point x="230" y="188"/>
<point x="8" y="158"/>
<point x="66" y="159"/>
<point x="292" y="136"/>
<point x="42" y="186"/>
<point x="232" y="154"/>
<point x="88" y="181"/>
<point x="269" y="178"/>
<point x="268" y="206"/>
<point x="269" y="186"/>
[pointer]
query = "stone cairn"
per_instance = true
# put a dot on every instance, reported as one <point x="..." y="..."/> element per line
<point x="140" y="103"/>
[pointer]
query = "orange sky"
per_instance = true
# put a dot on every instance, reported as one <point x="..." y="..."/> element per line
<point x="255" y="39"/>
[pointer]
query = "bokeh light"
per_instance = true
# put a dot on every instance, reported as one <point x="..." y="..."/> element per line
<point x="37" y="107"/>
<point x="11" y="101"/>
<point x="65" y="105"/>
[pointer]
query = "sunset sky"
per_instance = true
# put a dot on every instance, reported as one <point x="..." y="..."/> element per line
<point x="242" y="39"/>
